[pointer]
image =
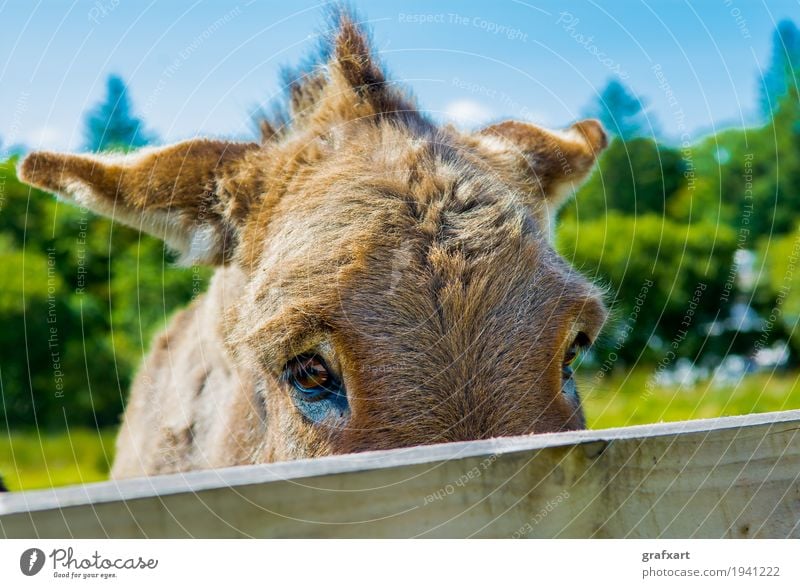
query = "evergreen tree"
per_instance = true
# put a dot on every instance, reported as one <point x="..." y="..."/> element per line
<point x="784" y="67"/>
<point x="111" y="124"/>
<point x="621" y="111"/>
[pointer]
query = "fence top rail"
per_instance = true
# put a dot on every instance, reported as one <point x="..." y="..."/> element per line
<point x="191" y="482"/>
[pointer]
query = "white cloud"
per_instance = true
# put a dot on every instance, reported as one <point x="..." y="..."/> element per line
<point x="467" y="113"/>
<point x="44" y="138"/>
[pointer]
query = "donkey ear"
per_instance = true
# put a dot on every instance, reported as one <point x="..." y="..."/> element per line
<point x="354" y="64"/>
<point x="189" y="194"/>
<point x="550" y="163"/>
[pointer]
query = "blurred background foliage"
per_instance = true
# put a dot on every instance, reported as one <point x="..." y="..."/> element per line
<point x="695" y="242"/>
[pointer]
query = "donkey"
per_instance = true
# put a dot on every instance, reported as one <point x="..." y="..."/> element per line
<point x="381" y="281"/>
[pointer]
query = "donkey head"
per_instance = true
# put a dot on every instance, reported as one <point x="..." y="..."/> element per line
<point x="396" y="280"/>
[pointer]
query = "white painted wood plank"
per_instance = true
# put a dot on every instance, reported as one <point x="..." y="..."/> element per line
<point x="732" y="477"/>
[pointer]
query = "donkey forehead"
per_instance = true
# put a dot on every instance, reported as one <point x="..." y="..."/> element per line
<point x="369" y="253"/>
<point x="413" y="306"/>
<point x="380" y="178"/>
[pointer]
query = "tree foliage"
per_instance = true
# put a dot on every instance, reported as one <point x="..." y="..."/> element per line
<point x="622" y="112"/>
<point x="80" y="301"/>
<point x="779" y="281"/>
<point x="633" y="177"/>
<point x="111" y="125"/>
<point x="673" y="272"/>
<point x="784" y="67"/>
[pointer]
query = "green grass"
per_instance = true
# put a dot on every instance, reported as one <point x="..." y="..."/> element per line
<point x="29" y="460"/>
<point x="631" y="399"/>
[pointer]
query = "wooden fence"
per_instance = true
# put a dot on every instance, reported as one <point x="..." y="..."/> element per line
<point x="728" y="477"/>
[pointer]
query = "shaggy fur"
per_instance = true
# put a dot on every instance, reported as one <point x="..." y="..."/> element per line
<point x="415" y="259"/>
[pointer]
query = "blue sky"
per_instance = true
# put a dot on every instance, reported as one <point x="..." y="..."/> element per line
<point x="199" y="68"/>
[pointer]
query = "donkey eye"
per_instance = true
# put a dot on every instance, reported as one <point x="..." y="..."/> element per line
<point x="568" y="386"/>
<point x="318" y="393"/>
<point x="571" y="355"/>
<point x="581" y="341"/>
<point x="310" y="376"/>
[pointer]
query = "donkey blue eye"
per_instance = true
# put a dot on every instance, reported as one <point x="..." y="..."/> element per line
<point x="568" y="386"/>
<point x="317" y="393"/>
<point x="313" y="394"/>
<point x="323" y="405"/>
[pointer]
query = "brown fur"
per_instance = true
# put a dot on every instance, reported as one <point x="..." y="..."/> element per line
<point x="415" y="259"/>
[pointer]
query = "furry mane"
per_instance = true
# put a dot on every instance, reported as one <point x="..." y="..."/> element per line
<point x="343" y="64"/>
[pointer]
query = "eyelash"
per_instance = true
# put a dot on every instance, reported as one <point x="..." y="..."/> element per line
<point x="316" y="390"/>
<point x="580" y="343"/>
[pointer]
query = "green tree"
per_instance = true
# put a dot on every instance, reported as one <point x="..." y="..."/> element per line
<point x="622" y="113"/>
<point x="111" y="124"/>
<point x="779" y="284"/>
<point x="81" y="298"/>
<point x="715" y="188"/>
<point x="633" y="177"/>
<point x="783" y="69"/>
<point x="775" y="152"/>
<point x="659" y="265"/>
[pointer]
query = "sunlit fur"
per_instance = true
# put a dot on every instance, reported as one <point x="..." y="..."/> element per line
<point x="414" y="258"/>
